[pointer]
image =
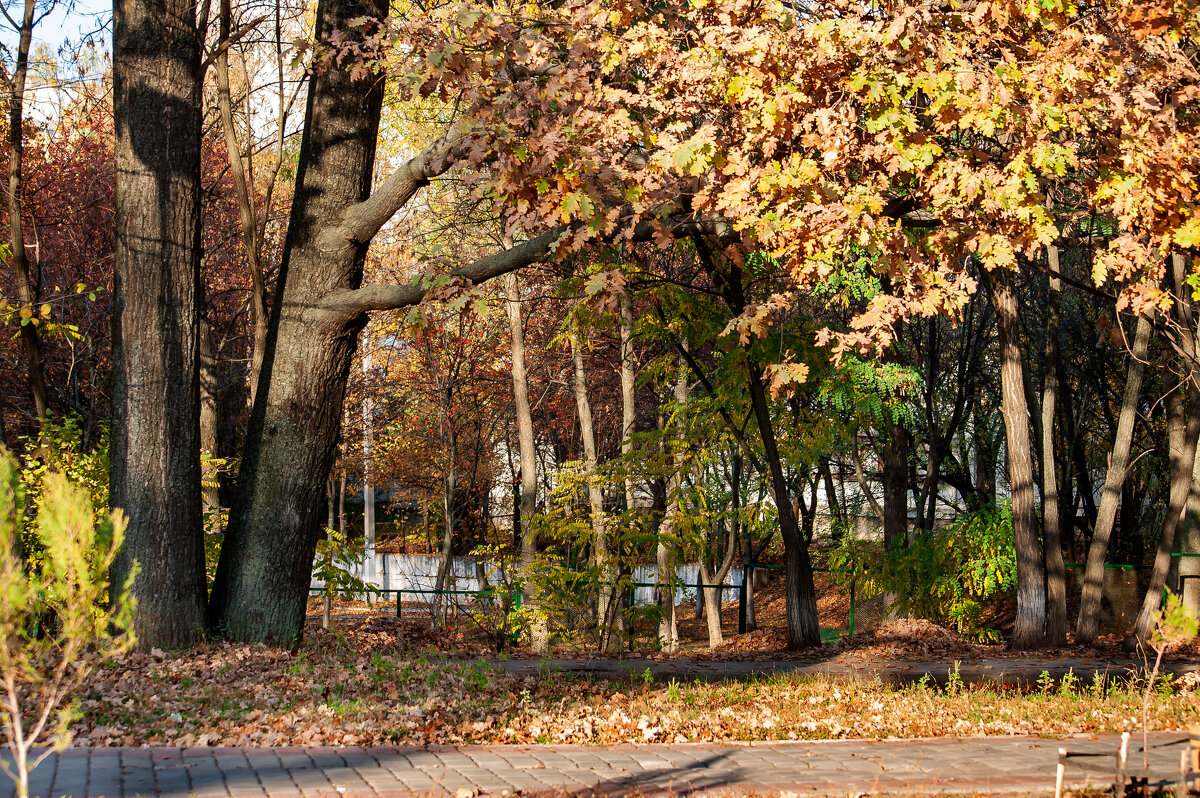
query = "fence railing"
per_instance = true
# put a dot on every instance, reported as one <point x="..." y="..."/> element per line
<point x="742" y="588"/>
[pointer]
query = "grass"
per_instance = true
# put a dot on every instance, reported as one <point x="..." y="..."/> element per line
<point x="360" y="691"/>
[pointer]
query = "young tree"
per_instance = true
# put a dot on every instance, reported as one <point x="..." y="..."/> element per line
<point x="18" y="259"/>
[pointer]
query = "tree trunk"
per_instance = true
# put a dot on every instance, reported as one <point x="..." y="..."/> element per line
<point x="803" y="626"/>
<point x="1056" y="570"/>
<point x="1088" y="625"/>
<point x="266" y="560"/>
<point x="208" y="421"/>
<point x="1029" y="630"/>
<point x="712" y="595"/>
<point x="628" y="379"/>
<point x="668" y="631"/>
<point x="628" y="407"/>
<point x="1189" y="544"/>
<point x="605" y="612"/>
<point x="445" y="577"/>
<point x="18" y="261"/>
<point x="368" y="443"/>
<point x="155" y="465"/>
<point x="1183" y="426"/>
<point x="895" y="498"/>
<point x="247" y="218"/>
<point x="538" y="632"/>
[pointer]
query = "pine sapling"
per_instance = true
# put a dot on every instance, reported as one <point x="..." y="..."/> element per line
<point x="56" y="618"/>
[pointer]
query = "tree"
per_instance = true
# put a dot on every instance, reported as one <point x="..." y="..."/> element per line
<point x="18" y="260"/>
<point x="1029" y="630"/>
<point x="155" y="465"/>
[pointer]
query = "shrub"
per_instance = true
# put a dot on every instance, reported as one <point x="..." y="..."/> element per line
<point x="55" y="618"/>
<point x="336" y="566"/>
<point x="945" y="576"/>
<point x="61" y="446"/>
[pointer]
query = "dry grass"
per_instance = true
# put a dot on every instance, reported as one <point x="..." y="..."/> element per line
<point x="378" y="680"/>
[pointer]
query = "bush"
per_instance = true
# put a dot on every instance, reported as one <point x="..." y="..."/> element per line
<point x="60" y="446"/>
<point x="944" y="576"/>
<point x="55" y="618"/>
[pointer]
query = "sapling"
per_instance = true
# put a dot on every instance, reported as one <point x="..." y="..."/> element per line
<point x="1174" y="624"/>
<point x="56" y="619"/>
<point x="335" y="567"/>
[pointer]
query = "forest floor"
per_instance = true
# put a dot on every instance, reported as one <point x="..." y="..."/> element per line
<point x="375" y="679"/>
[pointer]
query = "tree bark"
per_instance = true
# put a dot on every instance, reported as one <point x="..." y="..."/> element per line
<point x="18" y="260"/>
<point x="1088" y="624"/>
<point x="155" y="457"/>
<point x="1056" y="570"/>
<point x="1029" y="630"/>
<point x="266" y="559"/>
<point x="538" y="632"/>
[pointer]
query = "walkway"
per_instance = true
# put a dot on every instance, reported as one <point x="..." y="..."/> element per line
<point x="996" y="764"/>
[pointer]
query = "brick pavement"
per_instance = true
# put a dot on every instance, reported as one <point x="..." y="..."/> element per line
<point x="987" y="764"/>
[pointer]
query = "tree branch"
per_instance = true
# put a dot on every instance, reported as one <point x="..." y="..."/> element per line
<point x="536" y="250"/>
<point x="362" y="221"/>
<point x="391" y="297"/>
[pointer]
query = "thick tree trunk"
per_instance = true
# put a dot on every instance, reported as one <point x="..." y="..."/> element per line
<point x="1029" y="630"/>
<point x="266" y="559"/>
<point x="1088" y="625"/>
<point x="605" y="611"/>
<point x="18" y="261"/>
<point x="1056" y="570"/>
<point x="539" y="634"/>
<point x="155" y="457"/>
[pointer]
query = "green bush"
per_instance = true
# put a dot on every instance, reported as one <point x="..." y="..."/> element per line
<point x="56" y="622"/>
<point x="945" y="576"/>
<point x="60" y="446"/>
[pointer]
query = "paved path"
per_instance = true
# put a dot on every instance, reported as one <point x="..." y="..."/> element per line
<point x="996" y="764"/>
<point x="1009" y="671"/>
